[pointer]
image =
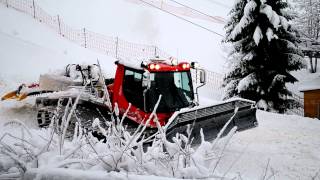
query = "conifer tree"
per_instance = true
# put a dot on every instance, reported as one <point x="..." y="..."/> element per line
<point x="265" y="50"/>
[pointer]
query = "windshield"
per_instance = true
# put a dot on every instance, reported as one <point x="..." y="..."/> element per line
<point x="175" y="87"/>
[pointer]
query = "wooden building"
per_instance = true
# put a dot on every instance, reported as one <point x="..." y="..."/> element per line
<point x="311" y="91"/>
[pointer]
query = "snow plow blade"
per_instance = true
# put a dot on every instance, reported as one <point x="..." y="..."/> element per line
<point x="211" y="119"/>
<point x="23" y="91"/>
<point x="14" y="95"/>
<point x="21" y="96"/>
<point x="10" y="95"/>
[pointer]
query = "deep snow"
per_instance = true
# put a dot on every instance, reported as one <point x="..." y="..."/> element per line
<point x="291" y="143"/>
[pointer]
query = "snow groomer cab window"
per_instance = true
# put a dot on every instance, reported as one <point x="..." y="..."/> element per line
<point x="175" y="88"/>
<point x="132" y="87"/>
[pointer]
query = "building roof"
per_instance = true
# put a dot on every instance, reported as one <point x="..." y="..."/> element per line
<point x="310" y="85"/>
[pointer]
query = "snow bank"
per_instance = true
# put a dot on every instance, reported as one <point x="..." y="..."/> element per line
<point x="291" y="144"/>
<point x="73" y="174"/>
<point x="50" y="153"/>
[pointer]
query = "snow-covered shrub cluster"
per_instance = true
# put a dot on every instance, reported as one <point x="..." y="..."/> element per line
<point x="265" y="51"/>
<point x="23" y="149"/>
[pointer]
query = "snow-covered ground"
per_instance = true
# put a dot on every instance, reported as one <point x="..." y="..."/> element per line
<point x="286" y="145"/>
<point x="289" y="143"/>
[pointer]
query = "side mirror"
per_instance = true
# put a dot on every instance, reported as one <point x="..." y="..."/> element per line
<point x="202" y="76"/>
<point x="195" y="65"/>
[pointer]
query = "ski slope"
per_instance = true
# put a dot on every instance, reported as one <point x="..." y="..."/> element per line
<point x="142" y="24"/>
<point x="289" y="143"/>
<point x="28" y="48"/>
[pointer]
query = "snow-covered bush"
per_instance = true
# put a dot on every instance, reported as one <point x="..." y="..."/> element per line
<point x="23" y="149"/>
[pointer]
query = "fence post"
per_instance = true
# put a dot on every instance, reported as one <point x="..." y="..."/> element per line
<point x="117" y="46"/>
<point x="7" y="3"/>
<point x="34" y="9"/>
<point x="155" y="51"/>
<point x="59" y="24"/>
<point x="85" y="37"/>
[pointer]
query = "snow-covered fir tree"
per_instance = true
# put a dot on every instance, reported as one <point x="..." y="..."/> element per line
<point x="265" y="50"/>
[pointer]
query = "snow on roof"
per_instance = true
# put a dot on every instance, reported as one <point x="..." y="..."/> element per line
<point x="310" y="85"/>
<point x="135" y="64"/>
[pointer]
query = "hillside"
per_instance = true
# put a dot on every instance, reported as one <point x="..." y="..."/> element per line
<point x="28" y="49"/>
<point x="286" y="145"/>
<point x="142" y="24"/>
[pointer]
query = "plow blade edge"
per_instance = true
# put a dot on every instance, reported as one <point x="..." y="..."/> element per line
<point x="211" y="119"/>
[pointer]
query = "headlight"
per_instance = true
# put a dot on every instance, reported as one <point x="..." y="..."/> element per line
<point x="157" y="67"/>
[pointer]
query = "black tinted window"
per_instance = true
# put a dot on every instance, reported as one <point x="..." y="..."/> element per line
<point x="132" y="87"/>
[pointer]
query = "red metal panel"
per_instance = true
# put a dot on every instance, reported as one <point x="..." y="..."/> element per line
<point x="135" y="114"/>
